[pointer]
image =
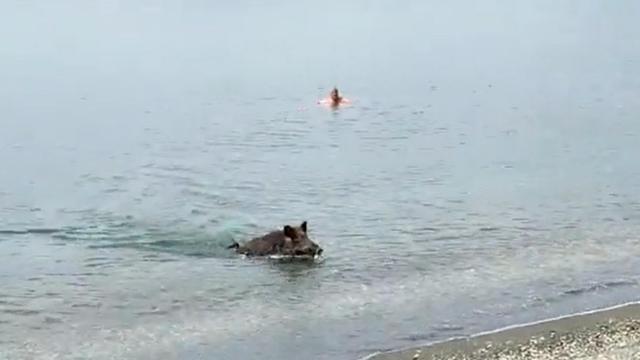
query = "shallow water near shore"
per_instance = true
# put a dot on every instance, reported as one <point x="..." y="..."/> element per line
<point x="605" y="333"/>
<point x="484" y="176"/>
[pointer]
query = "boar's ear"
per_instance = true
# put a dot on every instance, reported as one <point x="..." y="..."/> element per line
<point x="289" y="232"/>
<point x="303" y="226"/>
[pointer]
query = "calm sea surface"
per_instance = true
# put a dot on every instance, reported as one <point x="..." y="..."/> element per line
<point x="486" y="174"/>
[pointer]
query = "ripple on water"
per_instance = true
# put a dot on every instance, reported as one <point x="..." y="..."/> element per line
<point x="94" y="305"/>
<point x="599" y="286"/>
<point x="52" y="320"/>
<point x="9" y="303"/>
<point x="40" y="231"/>
<point x="153" y="312"/>
<point x="20" y="312"/>
<point x="420" y="337"/>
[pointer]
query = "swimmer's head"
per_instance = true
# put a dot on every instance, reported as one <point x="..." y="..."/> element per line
<point x="335" y="96"/>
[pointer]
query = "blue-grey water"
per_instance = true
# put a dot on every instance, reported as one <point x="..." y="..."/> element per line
<point x="485" y="175"/>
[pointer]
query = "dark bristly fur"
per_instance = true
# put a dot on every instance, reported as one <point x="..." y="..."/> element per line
<point x="290" y="241"/>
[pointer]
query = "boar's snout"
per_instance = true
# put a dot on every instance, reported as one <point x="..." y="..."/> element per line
<point x="310" y="251"/>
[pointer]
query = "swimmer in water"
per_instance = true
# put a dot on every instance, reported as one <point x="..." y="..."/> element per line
<point x="335" y="99"/>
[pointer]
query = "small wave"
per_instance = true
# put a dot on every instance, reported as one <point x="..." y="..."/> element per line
<point x="420" y="337"/>
<point x="599" y="286"/>
<point x="20" y="312"/>
<point x="447" y="237"/>
<point x="87" y="305"/>
<point x="9" y="303"/>
<point x="448" y="328"/>
<point x="489" y="228"/>
<point x="152" y="312"/>
<point x="40" y="231"/>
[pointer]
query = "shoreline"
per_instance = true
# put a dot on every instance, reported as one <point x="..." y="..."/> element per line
<point x="589" y="333"/>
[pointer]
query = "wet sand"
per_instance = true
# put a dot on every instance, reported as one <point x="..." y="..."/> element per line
<point x="612" y="333"/>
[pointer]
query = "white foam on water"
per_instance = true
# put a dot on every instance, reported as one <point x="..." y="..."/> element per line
<point x="316" y="258"/>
